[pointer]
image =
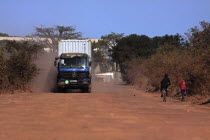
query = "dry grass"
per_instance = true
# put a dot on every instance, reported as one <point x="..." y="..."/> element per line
<point x="147" y="73"/>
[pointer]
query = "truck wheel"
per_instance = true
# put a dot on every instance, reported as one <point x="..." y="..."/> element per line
<point x="59" y="90"/>
<point x="86" y="90"/>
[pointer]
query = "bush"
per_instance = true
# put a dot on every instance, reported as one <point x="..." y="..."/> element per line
<point x="187" y="59"/>
<point x="17" y="67"/>
<point x="178" y="64"/>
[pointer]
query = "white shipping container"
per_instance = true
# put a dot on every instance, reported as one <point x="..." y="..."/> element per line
<point x="74" y="46"/>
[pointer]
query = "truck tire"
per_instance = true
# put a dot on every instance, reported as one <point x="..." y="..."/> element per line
<point x="60" y="90"/>
<point x="86" y="90"/>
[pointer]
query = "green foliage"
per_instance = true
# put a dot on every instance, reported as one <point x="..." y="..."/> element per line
<point x="17" y="67"/>
<point x="175" y="40"/>
<point x="134" y="46"/>
<point x="103" y="50"/>
<point x="4" y="35"/>
<point x="111" y="39"/>
<point x="141" y="46"/>
<point x="131" y="47"/>
<point x="99" y="58"/>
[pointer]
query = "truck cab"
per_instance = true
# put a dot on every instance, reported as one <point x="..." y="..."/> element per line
<point x="74" y="71"/>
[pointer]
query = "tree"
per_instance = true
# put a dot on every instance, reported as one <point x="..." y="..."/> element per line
<point x="199" y="37"/>
<point x="175" y="40"/>
<point x="4" y="35"/>
<point x="141" y="46"/>
<point x="132" y="46"/>
<point x="167" y="43"/>
<point x="110" y="41"/>
<point x="103" y="50"/>
<point x="199" y="42"/>
<point x="50" y="36"/>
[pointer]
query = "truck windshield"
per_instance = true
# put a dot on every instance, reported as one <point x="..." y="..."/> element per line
<point x="74" y="62"/>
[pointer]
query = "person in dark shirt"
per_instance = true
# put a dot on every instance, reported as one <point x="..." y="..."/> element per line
<point x="164" y="84"/>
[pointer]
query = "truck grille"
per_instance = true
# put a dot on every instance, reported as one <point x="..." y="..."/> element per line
<point x="73" y="74"/>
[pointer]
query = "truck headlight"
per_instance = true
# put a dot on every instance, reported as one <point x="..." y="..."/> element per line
<point x="66" y="81"/>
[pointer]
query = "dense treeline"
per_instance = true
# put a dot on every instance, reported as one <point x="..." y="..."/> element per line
<point x="4" y="35"/>
<point x="143" y="60"/>
<point x="17" y="68"/>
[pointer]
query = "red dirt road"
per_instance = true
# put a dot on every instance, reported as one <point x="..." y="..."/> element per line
<point x="111" y="112"/>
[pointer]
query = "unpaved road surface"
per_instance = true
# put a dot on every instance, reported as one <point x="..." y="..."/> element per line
<point x="111" y="112"/>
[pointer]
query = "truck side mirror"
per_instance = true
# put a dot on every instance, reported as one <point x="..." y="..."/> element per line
<point x="90" y="63"/>
<point x="56" y="58"/>
<point x="55" y="62"/>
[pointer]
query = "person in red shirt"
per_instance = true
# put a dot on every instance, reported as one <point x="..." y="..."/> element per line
<point x="183" y="87"/>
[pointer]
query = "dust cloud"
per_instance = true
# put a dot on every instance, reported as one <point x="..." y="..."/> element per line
<point x="45" y="81"/>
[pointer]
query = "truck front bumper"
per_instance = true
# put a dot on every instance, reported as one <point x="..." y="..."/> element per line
<point x="66" y="83"/>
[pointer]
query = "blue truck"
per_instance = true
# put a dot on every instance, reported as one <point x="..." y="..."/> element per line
<point x="74" y="65"/>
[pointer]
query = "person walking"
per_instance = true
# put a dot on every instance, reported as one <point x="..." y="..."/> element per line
<point x="164" y="84"/>
<point x="183" y="87"/>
